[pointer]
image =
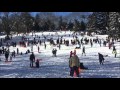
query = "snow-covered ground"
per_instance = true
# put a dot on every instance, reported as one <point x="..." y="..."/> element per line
<point x="57" y="67"/>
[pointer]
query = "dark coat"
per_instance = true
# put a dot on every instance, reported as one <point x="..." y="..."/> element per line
<point x="6" y="54"/>
<point x="32" y="57"/>
<point x="101" y="57"/>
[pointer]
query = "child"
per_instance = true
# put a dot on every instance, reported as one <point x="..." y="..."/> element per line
<point x="37" y="63"/>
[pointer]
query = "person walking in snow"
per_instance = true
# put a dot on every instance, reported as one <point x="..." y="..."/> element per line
<point x="100" y="42"/>
<point x="101" y="58"/>
<point x="83" y="51"/>
<point x="91" y="43"/>
<point x="32" y="59"/>
<point x="45" y="45"/>
<point x="71" y="54"/>
<point x="38" y="49"/>
<point x="17" y="51"/>
<point x="6" y="55"/>
<point x="59" y="46"/>
<point x="115" y="52"/>
<point x="74" y="64"/>
<point x="113" y="49"/>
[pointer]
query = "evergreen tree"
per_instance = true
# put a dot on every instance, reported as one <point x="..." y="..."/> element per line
<point x="76" y="25"/>
<point x="27" y="19"/>
<point x="98" y="21"/>
<point x="5" y="19"/>
<point x="83" y="26"/>
<point x="70" y="26"/>
<point x="114" y="24"/>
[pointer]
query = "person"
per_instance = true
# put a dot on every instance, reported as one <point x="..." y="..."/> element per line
<point x="74" y="64"/>
<point x="32" y="48"/>
<point x="3" y="50"/>
<point x="100" y="42"/>
<point x="45" y="46"/>
<point x="59" y="46"/>
<point x="71" y="54"/>
<point x="113" y="49"/>
<point x="101" y="58"/>
<point x="79" y="44"/>
<point x="104" y="43"/>
<point x="32" y="59"/>
<point x="115" y="53"/>
<point x="91" y="43"/>
<point x="54" y="51"/>
<point x="6" y="55"/>
<point x="37" y="63"/>
<point x="75" y="52"/>
<point x="38" y="49"/>
<point x="21" y="53"/>
<point x="83" y="51"/>
<point x="17" y="51"/>
<point x="28" y="51"/>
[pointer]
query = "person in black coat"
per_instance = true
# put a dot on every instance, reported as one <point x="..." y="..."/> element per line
<point x="38" y="49"/>
<point x="32" y="59"/>
<point x="6" y="55"/>
<point x="17" y="51"/>
<point x="101" y="58"/>
<point x="83" y="51"/>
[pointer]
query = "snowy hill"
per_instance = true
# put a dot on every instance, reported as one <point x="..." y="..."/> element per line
<point x="58" y="67"/>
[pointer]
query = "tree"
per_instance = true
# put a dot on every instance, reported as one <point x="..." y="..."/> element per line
<point x="70" y="26"/>
<point x="101" y="21"/>
<point x="5" y="19"/>
<point x="60" y="23"/>
<point x="27" y="20"/>
<point x="76" y="25"/>
<point x="83" y="26"/>
<point x="114" y="24"/>
<point x="16" y="22"/>
<point x="98" y="21"/>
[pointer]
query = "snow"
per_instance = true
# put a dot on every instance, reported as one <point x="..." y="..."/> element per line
<point x="57" y="67"/>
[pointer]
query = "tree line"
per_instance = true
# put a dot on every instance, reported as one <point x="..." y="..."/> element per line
<point x="25" y="22"/>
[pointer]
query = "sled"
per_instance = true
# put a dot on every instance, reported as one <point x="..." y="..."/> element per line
<point x="79" y="70"/>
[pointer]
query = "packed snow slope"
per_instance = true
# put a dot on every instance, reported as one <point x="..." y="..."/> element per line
<point x="58" y="67"/>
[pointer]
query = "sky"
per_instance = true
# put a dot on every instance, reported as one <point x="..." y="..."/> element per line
<point x="57" y="13"/>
